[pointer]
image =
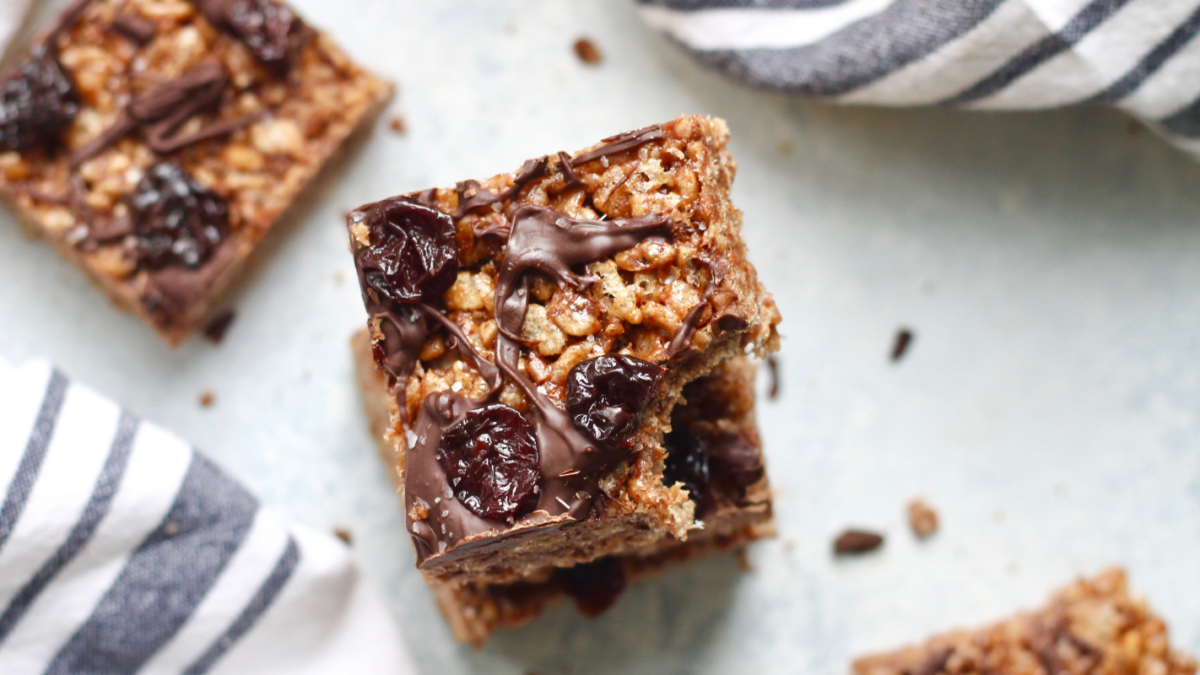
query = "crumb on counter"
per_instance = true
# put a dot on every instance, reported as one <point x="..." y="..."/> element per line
<point x="207" y="399"/>
<point x="588" y="52"/>
<point x="922" y="518"/>
<point x="852" y="542"/>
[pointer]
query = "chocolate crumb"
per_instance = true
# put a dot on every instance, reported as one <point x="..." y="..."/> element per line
<point x="922" y="518"/>
<point x="903" y="338"/>
<point x="856" y="541"/>
<point x="773" y="369"/>
<point x="398" y="124"/>
<point x="588" y="52"/>
<point x="214" y="332"/>
<point x="344" y="534"/>
<point x="207" y="399"/>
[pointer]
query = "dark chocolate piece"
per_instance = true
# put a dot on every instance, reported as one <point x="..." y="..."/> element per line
<point x="903" y="339"/>
<point x="773" y="369"/>
<point x="594" y="586"/>
<point x="215" y="330"/>
<point x="137" y="28"/>
<point x="687" y="463"/>
<point x="857" y="541"/>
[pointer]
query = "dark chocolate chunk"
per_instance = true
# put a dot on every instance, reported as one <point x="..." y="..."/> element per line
<point x="737" y="457"/>
<point x="491" y="460"/>
<point x="215" y="330"/>
<point x="137" y="28"/>
<point x="594" y="586"/>
<point x="38" y="101"/>
<point x="687" y="463"/>
<point x="176" y="220"/>
<point x="413" y="255"/>
<point x="606" y="396"/>
<point x="903" y="339"/>
<point x="857" y="541"/>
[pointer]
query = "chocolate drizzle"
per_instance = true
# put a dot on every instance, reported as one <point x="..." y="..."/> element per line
<point x="165" y="108"/>
<point x="620" y="143"/>
<point x="687" y="329"/>
<point x="471" y="195"/>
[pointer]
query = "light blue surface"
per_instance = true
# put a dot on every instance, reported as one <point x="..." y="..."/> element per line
<point x="1048" y="264"/>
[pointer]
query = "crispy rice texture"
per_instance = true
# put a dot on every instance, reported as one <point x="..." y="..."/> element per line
<point x="642" y="298"/>
<point x="1092" y="627"/>
<point x="477" y="609"/>
<point x="261" y="170"/>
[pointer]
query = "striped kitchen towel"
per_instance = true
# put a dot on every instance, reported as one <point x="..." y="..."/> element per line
<point x="1141" y="56"/>
<point x="123" y="550"/>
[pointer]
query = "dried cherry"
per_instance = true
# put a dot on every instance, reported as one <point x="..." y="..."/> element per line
<point x="38" y="100"/>
<point x="272" y="31"/>
<point x="606" y="395"/>
<point x="688" y="463"/>
<point x="413" y="256"/>
<point x="176" y="220"/>
<point x="491" y="460"/>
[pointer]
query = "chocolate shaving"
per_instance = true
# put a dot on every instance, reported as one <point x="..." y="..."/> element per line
<point x="687" y="329"/>
<point x="570" y="178"/>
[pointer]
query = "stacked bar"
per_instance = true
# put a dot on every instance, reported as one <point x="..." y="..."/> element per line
<point x="536" y="332"/>
<point x="156" y="142"/>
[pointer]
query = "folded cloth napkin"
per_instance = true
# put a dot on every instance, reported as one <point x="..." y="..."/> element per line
<point x="123" y="550"/>
<point x="1138" y="55"/>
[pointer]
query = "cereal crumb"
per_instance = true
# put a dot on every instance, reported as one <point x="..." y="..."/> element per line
<point x="856" y="541"/>
<point x="588" y="52"/>
<point x="922" y="518"/>
<point x="214" y="332"/>
<point x="207" y="399"/>
<point x="904" y="338"/>
<point x="398" y="125"/>
<point x="343" y="534"/>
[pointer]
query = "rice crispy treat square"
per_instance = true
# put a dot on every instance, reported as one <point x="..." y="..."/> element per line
<point x="1092" y="627"/>
<point x="155" y="142"/>
<point x="538" y="329"/>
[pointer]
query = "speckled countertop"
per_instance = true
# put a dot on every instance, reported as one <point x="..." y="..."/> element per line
<point x="1049" y="405"/>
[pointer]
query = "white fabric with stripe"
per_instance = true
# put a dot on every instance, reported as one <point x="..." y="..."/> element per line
<point x="287" y="600"/>
<point x="1021" y="55"/>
